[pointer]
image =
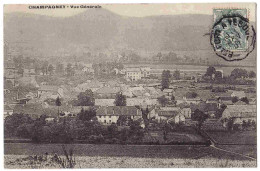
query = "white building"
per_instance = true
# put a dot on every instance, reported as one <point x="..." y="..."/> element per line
<point x="133" y="74"/>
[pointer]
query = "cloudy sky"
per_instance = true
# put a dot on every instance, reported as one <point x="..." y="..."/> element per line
<point x="139" y="10"/>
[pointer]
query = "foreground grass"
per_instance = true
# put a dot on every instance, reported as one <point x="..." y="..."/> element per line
<point x="22" y="161"/>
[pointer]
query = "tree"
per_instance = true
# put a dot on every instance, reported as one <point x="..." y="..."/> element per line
<point x="86" y="98"/>
<point x="59" y="68"/>
<point x="252" y="74"/>
<point x="50" y="69"/>
<point x="200" y="117"/>
<point x="210" y="71"/>
<point x="235" y="99"/>
<point x="239" y="73"/>
<point x="245" y="99"/>
<point x="218" y="75"/>
<point x="86" y="115"/>
<point x="120" y="99"/>
<point x="163" y="100"/>
<point x="20" y="70"/>
<point x="70" y="70"/>
<point x="44" y="68"/>
<point x="58" y="103"/>
<point x="176" y="75"/>
<point x="166" y="75"/>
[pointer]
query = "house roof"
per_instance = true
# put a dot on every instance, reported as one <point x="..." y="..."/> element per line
<point x="104" y="102"/>
<point x="118" y="111"/>
<point x="240" y="111"/>
<point x="168" y="113"/>
<point x="133" y="70"/>
<point x="48" y="88"/>
<point x="35" y="110"/>
<point x="107" y="90"/>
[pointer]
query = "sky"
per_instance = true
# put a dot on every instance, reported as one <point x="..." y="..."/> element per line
<point x="140" y="10"/>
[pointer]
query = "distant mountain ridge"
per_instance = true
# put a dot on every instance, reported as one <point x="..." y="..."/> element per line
<point x="99" y="30"/>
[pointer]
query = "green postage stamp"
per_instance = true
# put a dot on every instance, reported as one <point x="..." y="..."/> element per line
<point x="232" y="36"/>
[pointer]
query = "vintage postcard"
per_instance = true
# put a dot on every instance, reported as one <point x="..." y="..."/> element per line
<point x="130" y="85"/>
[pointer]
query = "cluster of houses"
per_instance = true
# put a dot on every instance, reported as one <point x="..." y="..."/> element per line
<point x="36" y="101"/>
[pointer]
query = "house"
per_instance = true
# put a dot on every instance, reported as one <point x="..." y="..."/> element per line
<point x="92" y="85"/>
<point x="239" y="113"/>
<point x="106" y="92"/>
<point x="70" y="111"/>
<point x="239" y="94"/>
<point x="35" y="110"/>
<point x="165" y="113"/>
<point x="133" y="74"/>
<point x="104" y="102"/>
<point x="145" y="71"/>
<point x="168" y="92"/>
<point x="48" y="91"/>
<point x="227" y="100"/>
<point x="186" y="112"/>
<point x="110" y="114"/>
<point x="141" y="101"/>
<point x="195" y="100"/>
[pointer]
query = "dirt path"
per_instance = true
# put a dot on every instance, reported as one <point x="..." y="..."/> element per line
<point x="227" y="151"/>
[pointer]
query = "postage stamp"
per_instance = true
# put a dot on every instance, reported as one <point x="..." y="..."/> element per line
<point x="232" y="37"/>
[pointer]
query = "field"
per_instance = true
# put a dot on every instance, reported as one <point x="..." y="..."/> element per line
<point x="239" y="137"/>
<point x="113" y="150"/>
<point x="20" y="161"/>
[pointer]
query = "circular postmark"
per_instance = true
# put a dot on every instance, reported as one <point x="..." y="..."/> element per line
<point x="232" y="37"/>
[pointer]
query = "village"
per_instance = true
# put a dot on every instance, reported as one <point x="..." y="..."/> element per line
<point x="119" y="95"/>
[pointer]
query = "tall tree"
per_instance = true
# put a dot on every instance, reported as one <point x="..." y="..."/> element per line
<point x="210" y="71"/>
<point x="166" y="75"/>
<point x="59" y="68"/>
<point x="86" y="98"/>
<point x="58" y="103"/>
<point x="176" y="75"/>
<point x="252" y="74"/>
<point x="200" y="117"/>
<point x="163" y="100"/>
<point x="120" y="99"/>
<point x="50" y="69"/>
<point x="239" y="73"/>
<point x="86" y="115"/>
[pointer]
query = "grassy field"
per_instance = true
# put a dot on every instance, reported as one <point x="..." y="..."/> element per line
<point x="105" y="150"/>
<point x="22" y="162"/>
<point x="248" y="150"/>
<point x="184" y="137"/>
<point x="239" y="137"/>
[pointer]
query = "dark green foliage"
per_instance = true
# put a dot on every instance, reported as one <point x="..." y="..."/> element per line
<point x="210" y="71"/>
<point x="176" y="75"/>
<point x="58" y="101"/>
<point x="120" y="99"/>
<point x="245" y="99"/>
<point x="163" y="100"/>
<point x="235" y="99"/>
<point x="86" y="115"/>
<point x="252" y="74"/>
<point x="86" y="98"/>
<point x="200" y="117"/>
<point x="239" y="73"/>
<point x="166" y="75"/>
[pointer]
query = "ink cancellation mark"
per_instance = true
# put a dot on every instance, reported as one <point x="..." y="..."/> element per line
<point x="232" y="37"/>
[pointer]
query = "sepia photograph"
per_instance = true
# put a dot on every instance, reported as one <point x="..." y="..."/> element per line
<point x="129" y="85"/>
